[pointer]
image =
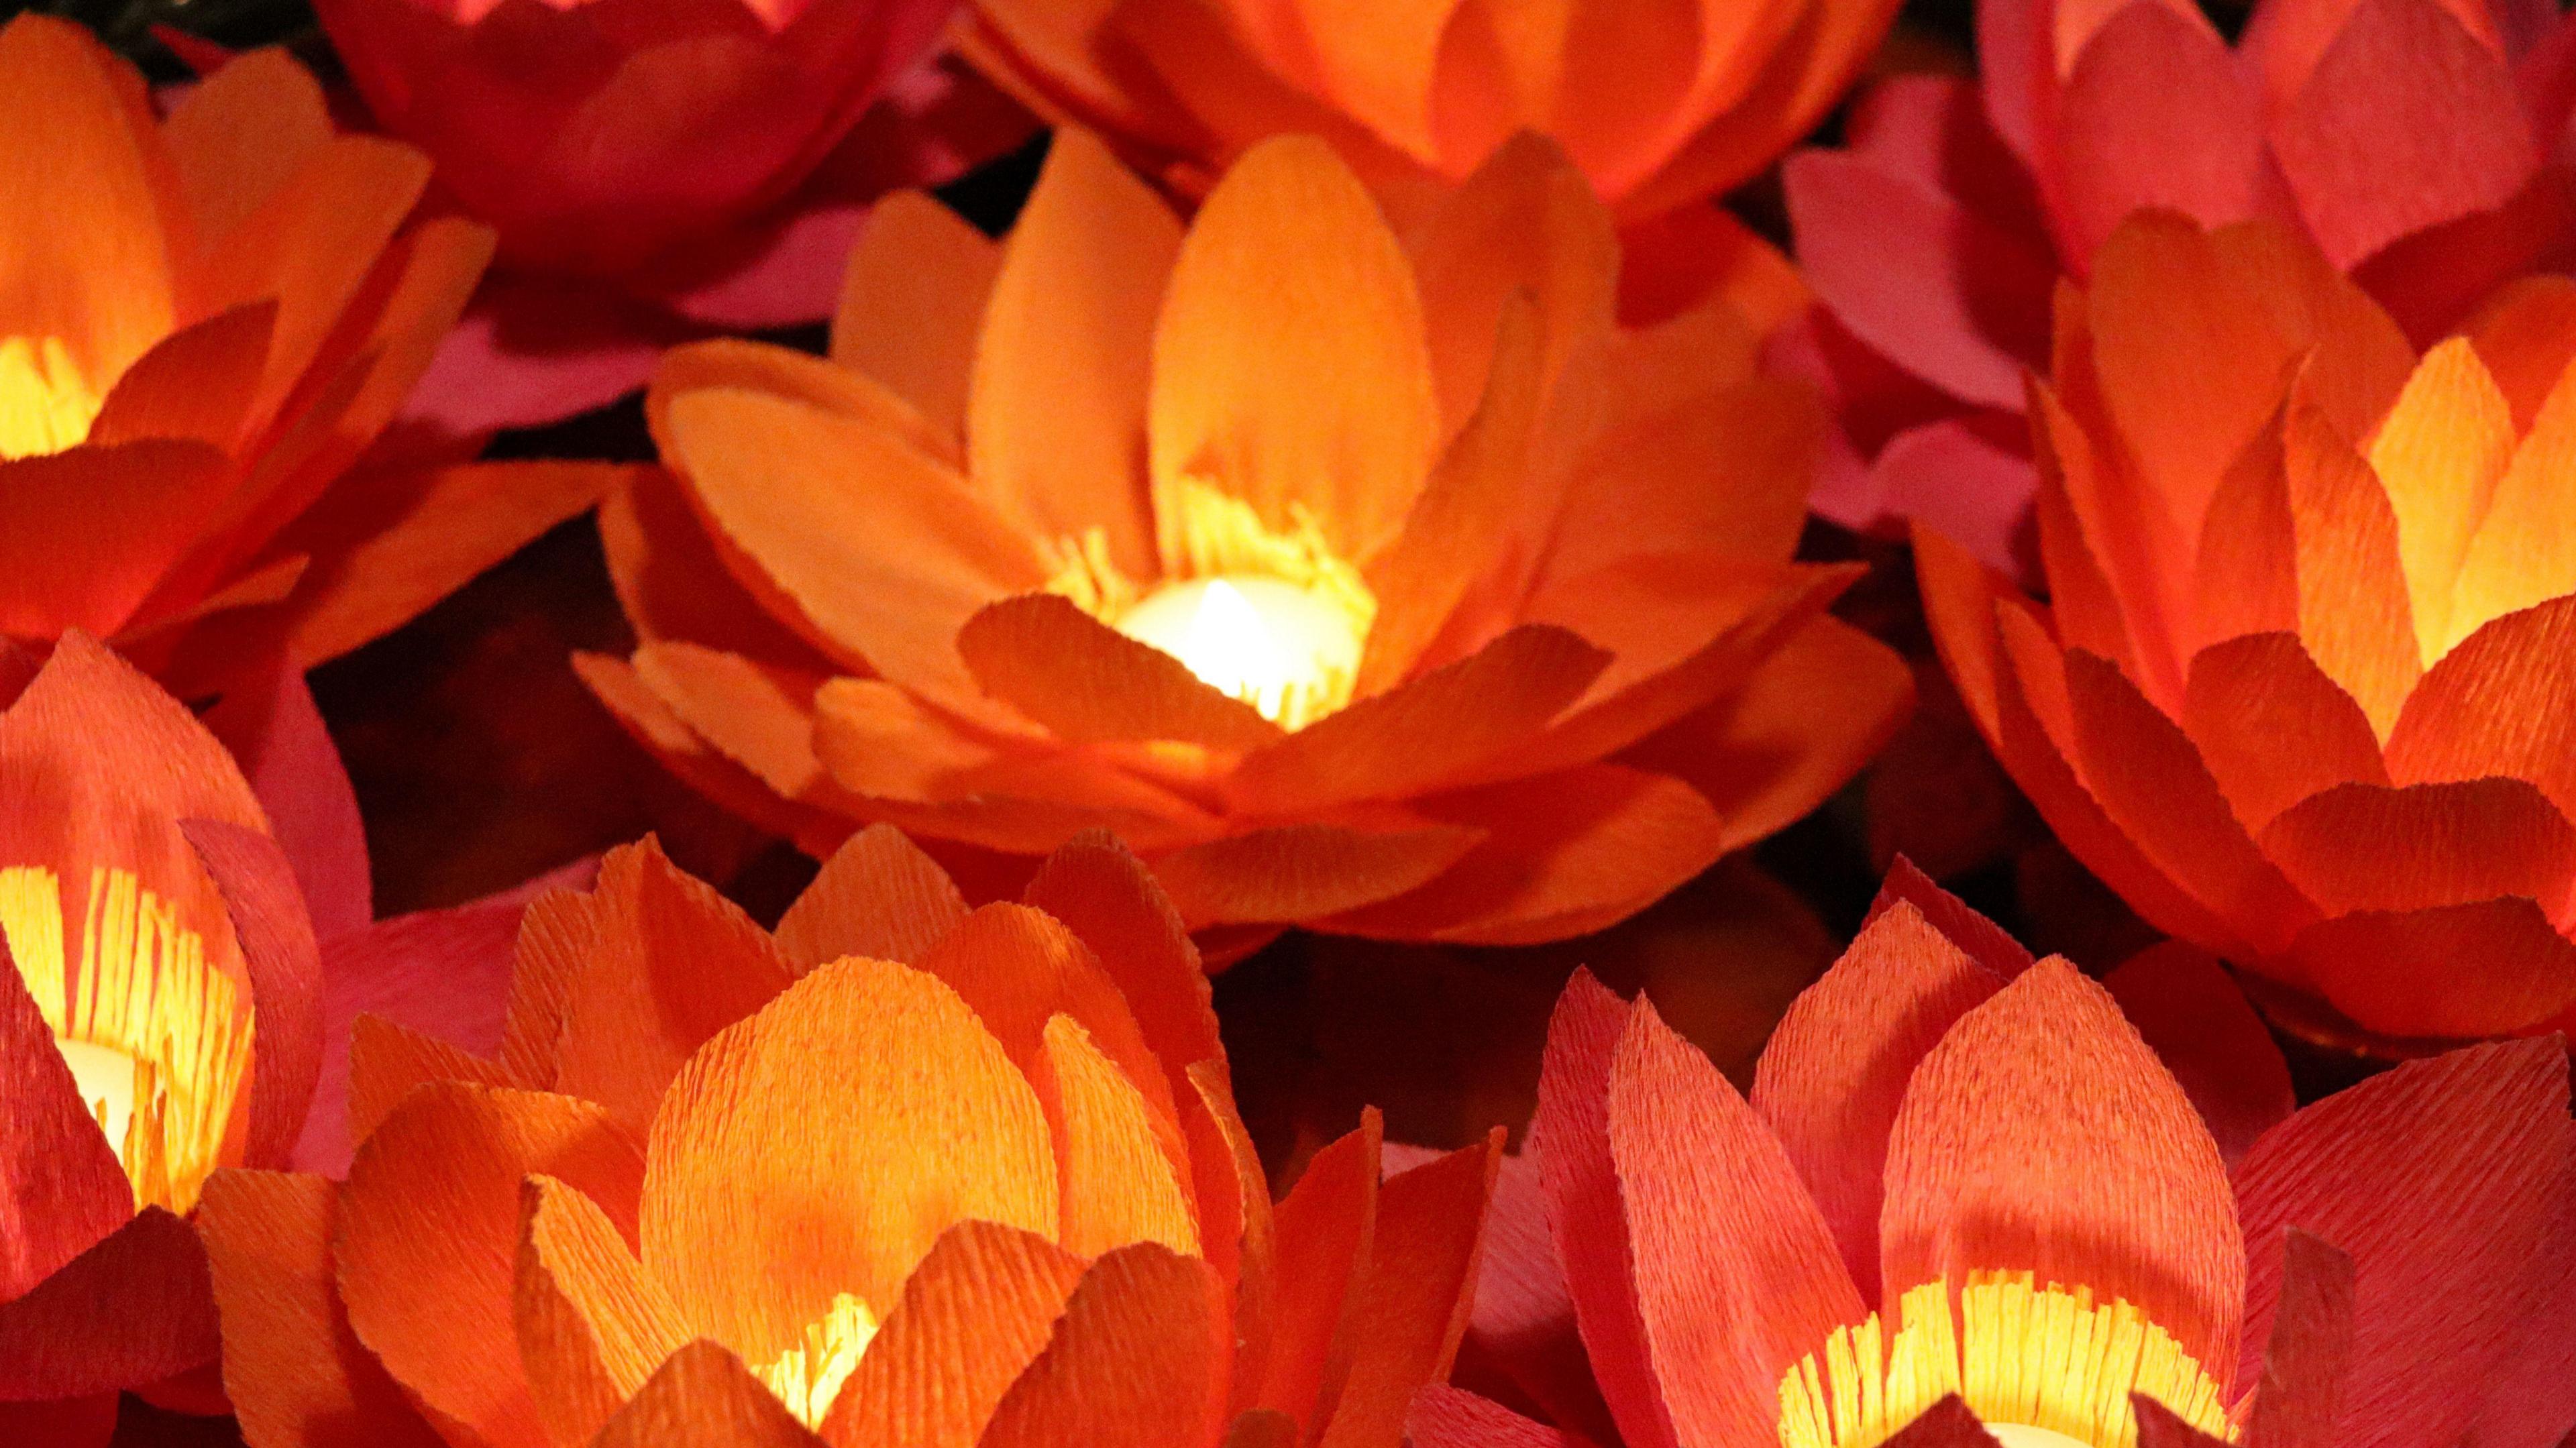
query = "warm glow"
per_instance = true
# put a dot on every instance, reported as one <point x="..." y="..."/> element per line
<point x="1280" y="648"/>
<point x="808" y="1377"/>
<point x="46" y="405"/>
<point x="157" y="1037"/>
<point x="2042" y="1367"/>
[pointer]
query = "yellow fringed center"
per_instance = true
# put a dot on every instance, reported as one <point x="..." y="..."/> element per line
<point x="158" y="1040"/>
<point x="808" y="1377"/>
<point x="2044" y="1367"/>
<point x="46" y="405"/>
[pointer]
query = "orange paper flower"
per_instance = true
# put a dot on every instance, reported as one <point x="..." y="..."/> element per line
<point x="204" y="323"/>
<point x="1392" y="593"/>
<point x="160" y="1017"/>
<point x="1976" y="1200"/>
<point x="899" y="1174"/>
<point x="2299" y="695"/>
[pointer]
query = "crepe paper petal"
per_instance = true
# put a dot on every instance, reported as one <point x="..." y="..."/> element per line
<point x="1965" y="311"/>
<point x="816" y="1107"/>
<point x="1289" y="365"/>
<point x="2354" y="618"/>
<point x="973" y="1316"/>
<point x="1987" y="943"/>
<point x="132" y="1309"/>
<point x="1019" y="969"/>
<point x="2370" y="847"/>
<point x="2490" y="707"/>
<point x="1409" y="1313"/>
<point x="1958" y="482"/>
<point x="2439" y="454"/>
<point x="67" y="1422"/>
<point x="2272" y="728"/>
<point x="1090" y="684"/>
<point x="1055" y="436"/>
<point x="62" y="1188"/>
<point x="2297" y="1402"/>
<point x="1948" y="1423"/>
<point x="2161" y="1427"/>
<point x="429" y="1234"/>
<point x="1304" y="871"/>
<point x="1587" y="1213"/>
<point x="1136" y="1361"/>
<point x="1829" y="1083"/>
<point x="702" y="1394"/>
<point x="912" y="303"/>
<point x="68" y="573"/>
<point x="384" y="1061"/>
<point x="2362" y="359"/>
<point x="1108" y="899"/>
<point x="285" y="970"/>
<point x="760" y="716"/>
<point x="2407" y="121"/>
<point x="1119" y="1157"/>
<point x="529" y="351"/>
<point x="591" y="1327"/>
<point x="2201" y="1026"/>
<point x="1445" y="1417"/>
<point x="672" y="583"/>
<point x="2088" y="527"/>
<point x="2526" y="336"/>
<point x="2156" y="113"/>
<point x="2481" y="1136"/>
<point x="2533" y="1395"/>
<point x="2517" y="558"/>
<point x="877" y="896"/>
<point x="2372" y="965"/>
<point x="1325" y="1230"/>
<point x="194" y="385"/>
<point x="2047" y="1084"/>
<point x="276" y="734"/>
<point x="1524" y="1316"/>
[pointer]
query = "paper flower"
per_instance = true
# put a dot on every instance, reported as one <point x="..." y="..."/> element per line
<point x="1970" y="1201"/>
<point x="2296" y="697"/>
<point x="1329" y="576"/>
<point x="210" y="320"/>
<point x="657" y="169"/>
<point x="2424" y="145"/>
<point x="898" y="1174"/>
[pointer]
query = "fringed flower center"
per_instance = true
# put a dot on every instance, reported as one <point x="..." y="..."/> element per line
<point x="808" y="1377"/>
<point x="157" y="1039"/>
<point x="46" y="405"/>
<point x="1276" y="619"/>
<point x="2042" y="1367"/>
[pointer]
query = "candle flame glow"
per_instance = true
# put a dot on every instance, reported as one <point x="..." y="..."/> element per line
<point x="46" y="405"/>
<point x="1276" y="646"/>
<point x="105" y="1077"/>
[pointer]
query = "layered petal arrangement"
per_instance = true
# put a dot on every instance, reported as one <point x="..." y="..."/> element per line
<point x="205" y="323"/>
<point x="2296" y="696"/>
<point x="1394" y="593"/>
<point x="656" y="169"/>
<point x="2423" y="145"/>
<point x="899" y="1173"/>
<point x="1974" y="1200"/>
<point x="1659" y="109"/>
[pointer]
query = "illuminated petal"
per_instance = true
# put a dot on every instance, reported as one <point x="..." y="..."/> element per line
<point x="2439" y="453"/>
<point x="1302" y="871"/>
<point x="242" y="134"/>
<point x="672" y="583"/>
<point x="2354" y="613"/>
<point x="704" y="1395"/>
<point x="591" y="1327"/>
<point x="1409" y="1313"/>
<point x="1120" y="1161"/>
<point x="2200" y="1025"/>
<point x="62" y="1188"/>
<point x="913" y="302"/>
<point x="1089" y="684"/>
<point x="2371" y="847"/>
<point x="973" y="1316"/>
<point x="2272" y="728"/>
<point x="2521" y="555"/>
<point x="878" y="896"/>
<point x="286" y="983"/>
<point x="1136" y="1361"/>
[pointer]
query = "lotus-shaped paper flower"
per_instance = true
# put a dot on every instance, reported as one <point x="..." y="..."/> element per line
<point x="1331" y="577"/>
<point x="2300" y="690"/>
<point x="900" y="1174"/>
<point x="656" y="168"/>
<point x="2424" y="145"/>
<point x="204" y="324"/>
<point x="1970" y="1201"/>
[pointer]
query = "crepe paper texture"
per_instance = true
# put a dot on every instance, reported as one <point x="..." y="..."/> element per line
<point x="657" y="170"/>
<point x="1391" y="592"/>
<point x="2425" y="146"/>
<point x="900" y="1172"/>
<point x="2298" y="695"/>
<point x="1973" y="1199"/>
<point x="188" y="937"/>
<point x="207" y="324"/>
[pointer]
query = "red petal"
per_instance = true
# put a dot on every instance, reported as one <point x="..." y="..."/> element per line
<point x="285" y="966"/>
<point x="1989" y="944"/>
<point x="1408" y="1314"/>
<point x="2502" y="703"/>
<point x="2370" y="847"/>
<point x="129" y="1311"/>
<point x="1524" y="1319"/>
<point x="2157" y="113"/>
<point x="2205" y="1031"/>
<point x="1107" y="898"/>
<point x="1447" y="1417"/>
<point x="2272" y="728"/>
<point x="276" y="734"/>
<point x="61" y="1187"/>
<point x="1324" y="1229"/>
<point x="2297" y="1403"/>
<point x="2399" y="973"/>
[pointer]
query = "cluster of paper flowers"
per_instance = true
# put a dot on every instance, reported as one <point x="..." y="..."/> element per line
<point x="1372" y="486"/>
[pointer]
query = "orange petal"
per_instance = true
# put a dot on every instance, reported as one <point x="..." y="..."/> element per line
<point x="591" y="1327"/>
<point x="1959" y="595"/>
<point x="1304" y="871"/>
<point x="974" y="1315"/>
<point x="1089" y="684"/>
<point x="878" y="896"/>
<point x="1326" y="1227"/>
<point x="66" y="571"/>
<point x="1994" y="1164"/>
<point x="819" y="1111"/>
<point x="817" y="382"/>
<point x="2272" y="728"/>
<point x="1020" y="968"/>
<point x="1439" y="726"/>
<point x="1056" y="416"/>
<point x="786" y="483"/>
<point x="2358" y="358"/>
<point x="1121" y="1182"/>
<point x="672" y="584"/>
<point x="387" y="1060"/>
<point x="2094" y="528"/>
<point x="1236" y="1226"/>
<point x="1737" y="1272"/>
<point x="242" y="133"/>
<point x="704" y="1397"/>
<point x="2354" y="615"/>
<point x="912" y="303"/>
<point x="2521" y="554"/>
<point x="760" y="716"/>
<point x="1409" y="1313"/>
<point x="1830" y="1081"/>
<point x="430" y="1229"/>
<point x="661" y="733"/>
<point x="2526" y="334"/>
<point x="2439" y="455"/>
<point x="194" y="384"/>
<point x="1136" y="1361"/>
<point x="2400" y="974"/>
<point x="1110" y="902"/>
<point x="2244" y="575"/>
<point x="293" y="1370"/>
<point x="2503" y="702"/>
<point x="1289" y="363"/>
<point x="2371" y="847"/>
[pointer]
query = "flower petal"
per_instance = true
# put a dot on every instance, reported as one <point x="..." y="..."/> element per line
<point x="912" y="303"/>
<point x="704" y="1395"/>
<point x="1136" y="1361"/>
<point x="2272" y="728"/>
<point x="591" y="1326"/>
<point x="878" y="896"/>
<point x="1408" y="1313"/>
<point x="1296" y="872"/>
<point x="1325" y="1229"/>
<point x="973" y="1316"/>
<point x="62" y="1189"/>
<point x="2205" y="1031"/>
<point x="132" y="1309"/>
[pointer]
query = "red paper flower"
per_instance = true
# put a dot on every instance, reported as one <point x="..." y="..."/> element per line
<point x="657" y="169"/>
<point x="900" y="1174"/>
<point x="2424" y="145"/>
<point x="1970" y="1195"/>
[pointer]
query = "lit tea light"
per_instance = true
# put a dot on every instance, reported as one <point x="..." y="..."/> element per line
<point x="105" y="1077"/>
<point x="46" y="405"/>
<point x="1285" y="650"/>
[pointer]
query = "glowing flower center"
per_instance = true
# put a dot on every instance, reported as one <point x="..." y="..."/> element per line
<point x="157" y="1040"/>
<point x="808" y="1377"/>
<point x="2043" y="1367"/>
<point x="46" y="405"/>
<point x="1275" y="646"/>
